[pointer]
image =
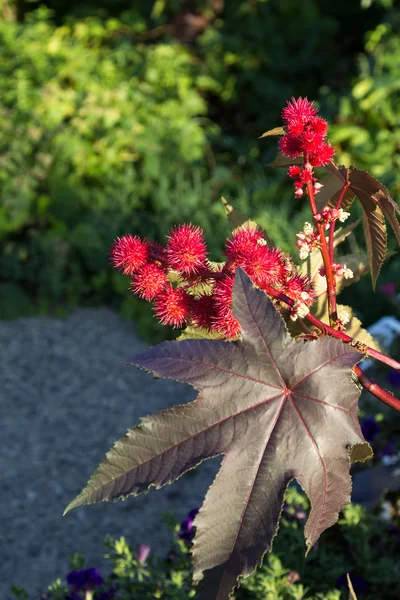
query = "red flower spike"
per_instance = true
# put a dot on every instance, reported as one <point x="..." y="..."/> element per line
<point x="149" y="282"/>
<point x="173" y="307"/>
<point x="186" y="249"/>
<point x="299" y="109"/>
<point x="129" y="253"/>
<point x="244" y="241"/>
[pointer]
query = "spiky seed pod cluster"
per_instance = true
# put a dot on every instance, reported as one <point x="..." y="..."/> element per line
<point x="305" y="136"/>
<point x="185" y="288"/>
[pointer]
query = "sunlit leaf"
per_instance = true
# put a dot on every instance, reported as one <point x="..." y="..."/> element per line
<point x="275" y="131"/>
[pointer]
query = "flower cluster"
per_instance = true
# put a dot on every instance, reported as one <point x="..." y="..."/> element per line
<point x="328" y="215"/>
<point x="186" y="288"/>
<point x="339" y="271"/>
<point x="305" y="136"/>
<point x="308" y="240"/>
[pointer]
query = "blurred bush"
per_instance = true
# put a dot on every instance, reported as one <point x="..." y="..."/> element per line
<point x="368" y="126"/>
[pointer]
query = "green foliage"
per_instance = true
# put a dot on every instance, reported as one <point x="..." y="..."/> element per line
<point x="360" y="543"/>
<point x="368" y="129"/>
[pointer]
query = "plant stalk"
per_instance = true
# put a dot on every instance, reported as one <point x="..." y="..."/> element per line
<point x="330" y="282"/>
<point x="374" y="389"/>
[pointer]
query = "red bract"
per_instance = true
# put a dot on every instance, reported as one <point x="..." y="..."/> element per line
<point x="129" y="253"/>
<point x="173" y="306"/>
<point x="150" y="282"/>
<point x="186" y="249"/>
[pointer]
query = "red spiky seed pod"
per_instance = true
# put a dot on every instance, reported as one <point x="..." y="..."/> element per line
<point x="203" y="309"/>
<point x="300" y="109"/>
<point x="291" y="145"/>
<point x="223" y="319"/>
<point x="242" y="244"/>
<point x="264" y="266"/>
<point x="129" y="253"/>
<point x="300" y="288"/>
<point x="322" y="155"/>
<point x="186" y="249"/>
<point x="150" y="282"/>
<point x="173" y="306"/>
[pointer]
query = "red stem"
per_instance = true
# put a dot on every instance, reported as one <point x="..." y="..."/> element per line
<point x="340" y="335"/>
<point x="374" y="389"/>
<point x="332" y="228"/>
<point x="330" y="282"/>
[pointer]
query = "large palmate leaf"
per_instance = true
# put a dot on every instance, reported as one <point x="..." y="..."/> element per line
<point x="276" y="408"/>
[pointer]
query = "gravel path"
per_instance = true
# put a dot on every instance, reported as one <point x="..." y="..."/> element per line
<point x="66" y="396"/>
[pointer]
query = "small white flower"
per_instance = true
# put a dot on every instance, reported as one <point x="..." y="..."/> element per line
<point x="262" y="242"/>
<point x="302" y="310"/>
<point x="344" y="317"/>
<point x="308" y="229"/>
<point x="347" y="273"/>
<point x="304" y="252"/>
<point x="343" y="215"/>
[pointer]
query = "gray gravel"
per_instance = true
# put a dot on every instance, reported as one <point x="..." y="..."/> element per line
<point x="66" y="396"/>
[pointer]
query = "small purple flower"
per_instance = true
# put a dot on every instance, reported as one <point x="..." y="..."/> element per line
<point x="359" y="584"/>
<point x="85" y="579"/>
<point x="394" y="378"/>
<point x="186" y="531"/>
<point x="142" y="553"/>
<point x="369" y="428"/>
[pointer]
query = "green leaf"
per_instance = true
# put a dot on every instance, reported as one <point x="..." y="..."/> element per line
<point x="271" y="422"/>
<point x="275" y="131"/>
<point x="198" y="333"/>
<point x="235" y="217"/>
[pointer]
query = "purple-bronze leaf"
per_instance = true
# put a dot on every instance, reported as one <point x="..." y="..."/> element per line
<point x="275" y="407"/>
<point x="376" y="203"/>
